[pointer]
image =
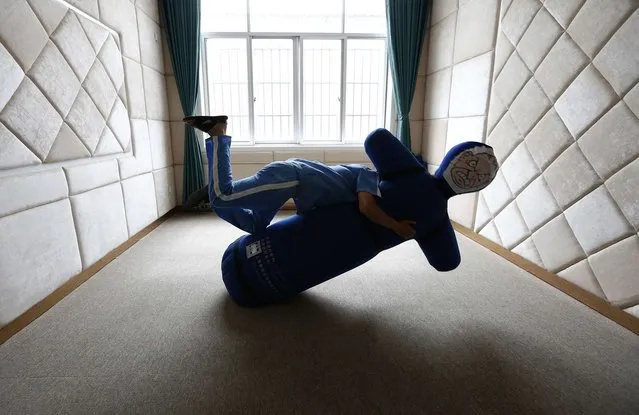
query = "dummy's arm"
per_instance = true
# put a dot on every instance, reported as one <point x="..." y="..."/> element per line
<point x="440" y="247"/>
<point x="369" y="207"/>
<point x="389" y="155"/>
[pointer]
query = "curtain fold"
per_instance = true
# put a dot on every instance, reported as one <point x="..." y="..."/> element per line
<point x="182" y="28"/>
<point x="406" y="24"/>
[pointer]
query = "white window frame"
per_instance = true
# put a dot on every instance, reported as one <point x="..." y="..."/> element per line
<point x="298" y="84"/>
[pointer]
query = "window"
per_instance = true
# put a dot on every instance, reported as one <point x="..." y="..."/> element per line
<point x="296" y="71"/>
<point x="321" y="72"/>
<point x="228" y="83"/>
<point x="273" y="100"/>
<point x="365" y="87"/>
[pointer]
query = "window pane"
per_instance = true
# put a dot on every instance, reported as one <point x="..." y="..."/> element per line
<point x="273" y="89"/>
<point x="365" y="16"/>
<point x="365" y="86"/>
<point x="296" y="16"/>
<point x="228" y="84"/>
<point x="322" y="80"/>
<point x="223" y="16"/>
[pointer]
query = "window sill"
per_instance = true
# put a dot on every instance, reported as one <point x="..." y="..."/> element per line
<point x="246" y="147"/>
<point x="263" y="153"/>
<point x="297" y="147"/>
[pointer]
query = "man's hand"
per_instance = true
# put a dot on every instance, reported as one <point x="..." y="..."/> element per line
<point x="405" y="228"/>
<point x="368" y="206"/>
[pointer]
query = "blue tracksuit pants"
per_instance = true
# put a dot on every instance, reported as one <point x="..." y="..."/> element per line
<point x="251" y="203"/>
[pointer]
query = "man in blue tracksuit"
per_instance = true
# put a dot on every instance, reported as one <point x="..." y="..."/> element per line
<point x="251" y="203"/>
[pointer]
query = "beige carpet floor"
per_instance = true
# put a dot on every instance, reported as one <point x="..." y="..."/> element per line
<point x="154" y="332"/>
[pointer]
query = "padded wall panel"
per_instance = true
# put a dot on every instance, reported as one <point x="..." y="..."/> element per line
<point x="36" y="256"/>
<point x="582" y="210"/>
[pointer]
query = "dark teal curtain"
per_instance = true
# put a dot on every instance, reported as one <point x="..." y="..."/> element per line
<point x="406" y="24"/>
<point x="182" y="28"/>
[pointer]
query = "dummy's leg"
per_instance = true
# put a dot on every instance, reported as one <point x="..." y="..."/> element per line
<point x="389" y="155"/>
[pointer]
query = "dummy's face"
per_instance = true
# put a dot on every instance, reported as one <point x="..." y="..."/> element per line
<point x="473" y="171"/>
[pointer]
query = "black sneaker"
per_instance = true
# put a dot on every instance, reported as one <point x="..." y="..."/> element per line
<point x="204" y="122"/>
<point x="197" y="198"/>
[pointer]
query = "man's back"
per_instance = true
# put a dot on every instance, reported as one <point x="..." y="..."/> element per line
<point x="323" y="185"/>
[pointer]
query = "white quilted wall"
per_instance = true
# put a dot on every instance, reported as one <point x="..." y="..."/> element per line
<point x="563" y="119"/>
<point x="85" y="145"/>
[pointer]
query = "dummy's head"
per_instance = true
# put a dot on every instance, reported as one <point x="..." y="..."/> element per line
<point x="468" y="167"/>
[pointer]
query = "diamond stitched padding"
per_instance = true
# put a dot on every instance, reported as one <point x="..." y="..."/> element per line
<point x="586" y="134"/>
<point x="75" y="76"/>
<point x="32" y="118"/>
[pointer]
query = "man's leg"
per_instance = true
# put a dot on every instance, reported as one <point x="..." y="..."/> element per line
<point x="213" y="126"/>
<point x="263" y="219"/>
<point x="238" y="217"/>
<point x="264" y="192"/>
<point x="251" y="203"/>
<point x="197" y="197"/>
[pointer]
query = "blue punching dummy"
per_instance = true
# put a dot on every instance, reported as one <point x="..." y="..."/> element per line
<point x="304" y="250"/>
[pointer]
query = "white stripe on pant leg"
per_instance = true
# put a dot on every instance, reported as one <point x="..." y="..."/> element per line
<point x="247" y="192"/>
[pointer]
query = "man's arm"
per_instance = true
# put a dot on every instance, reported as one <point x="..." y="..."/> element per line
<point x="368" y="206"/>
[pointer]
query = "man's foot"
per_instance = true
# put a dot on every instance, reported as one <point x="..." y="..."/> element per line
<point x="198" y="197"/>
<point x="206" y="123"/>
